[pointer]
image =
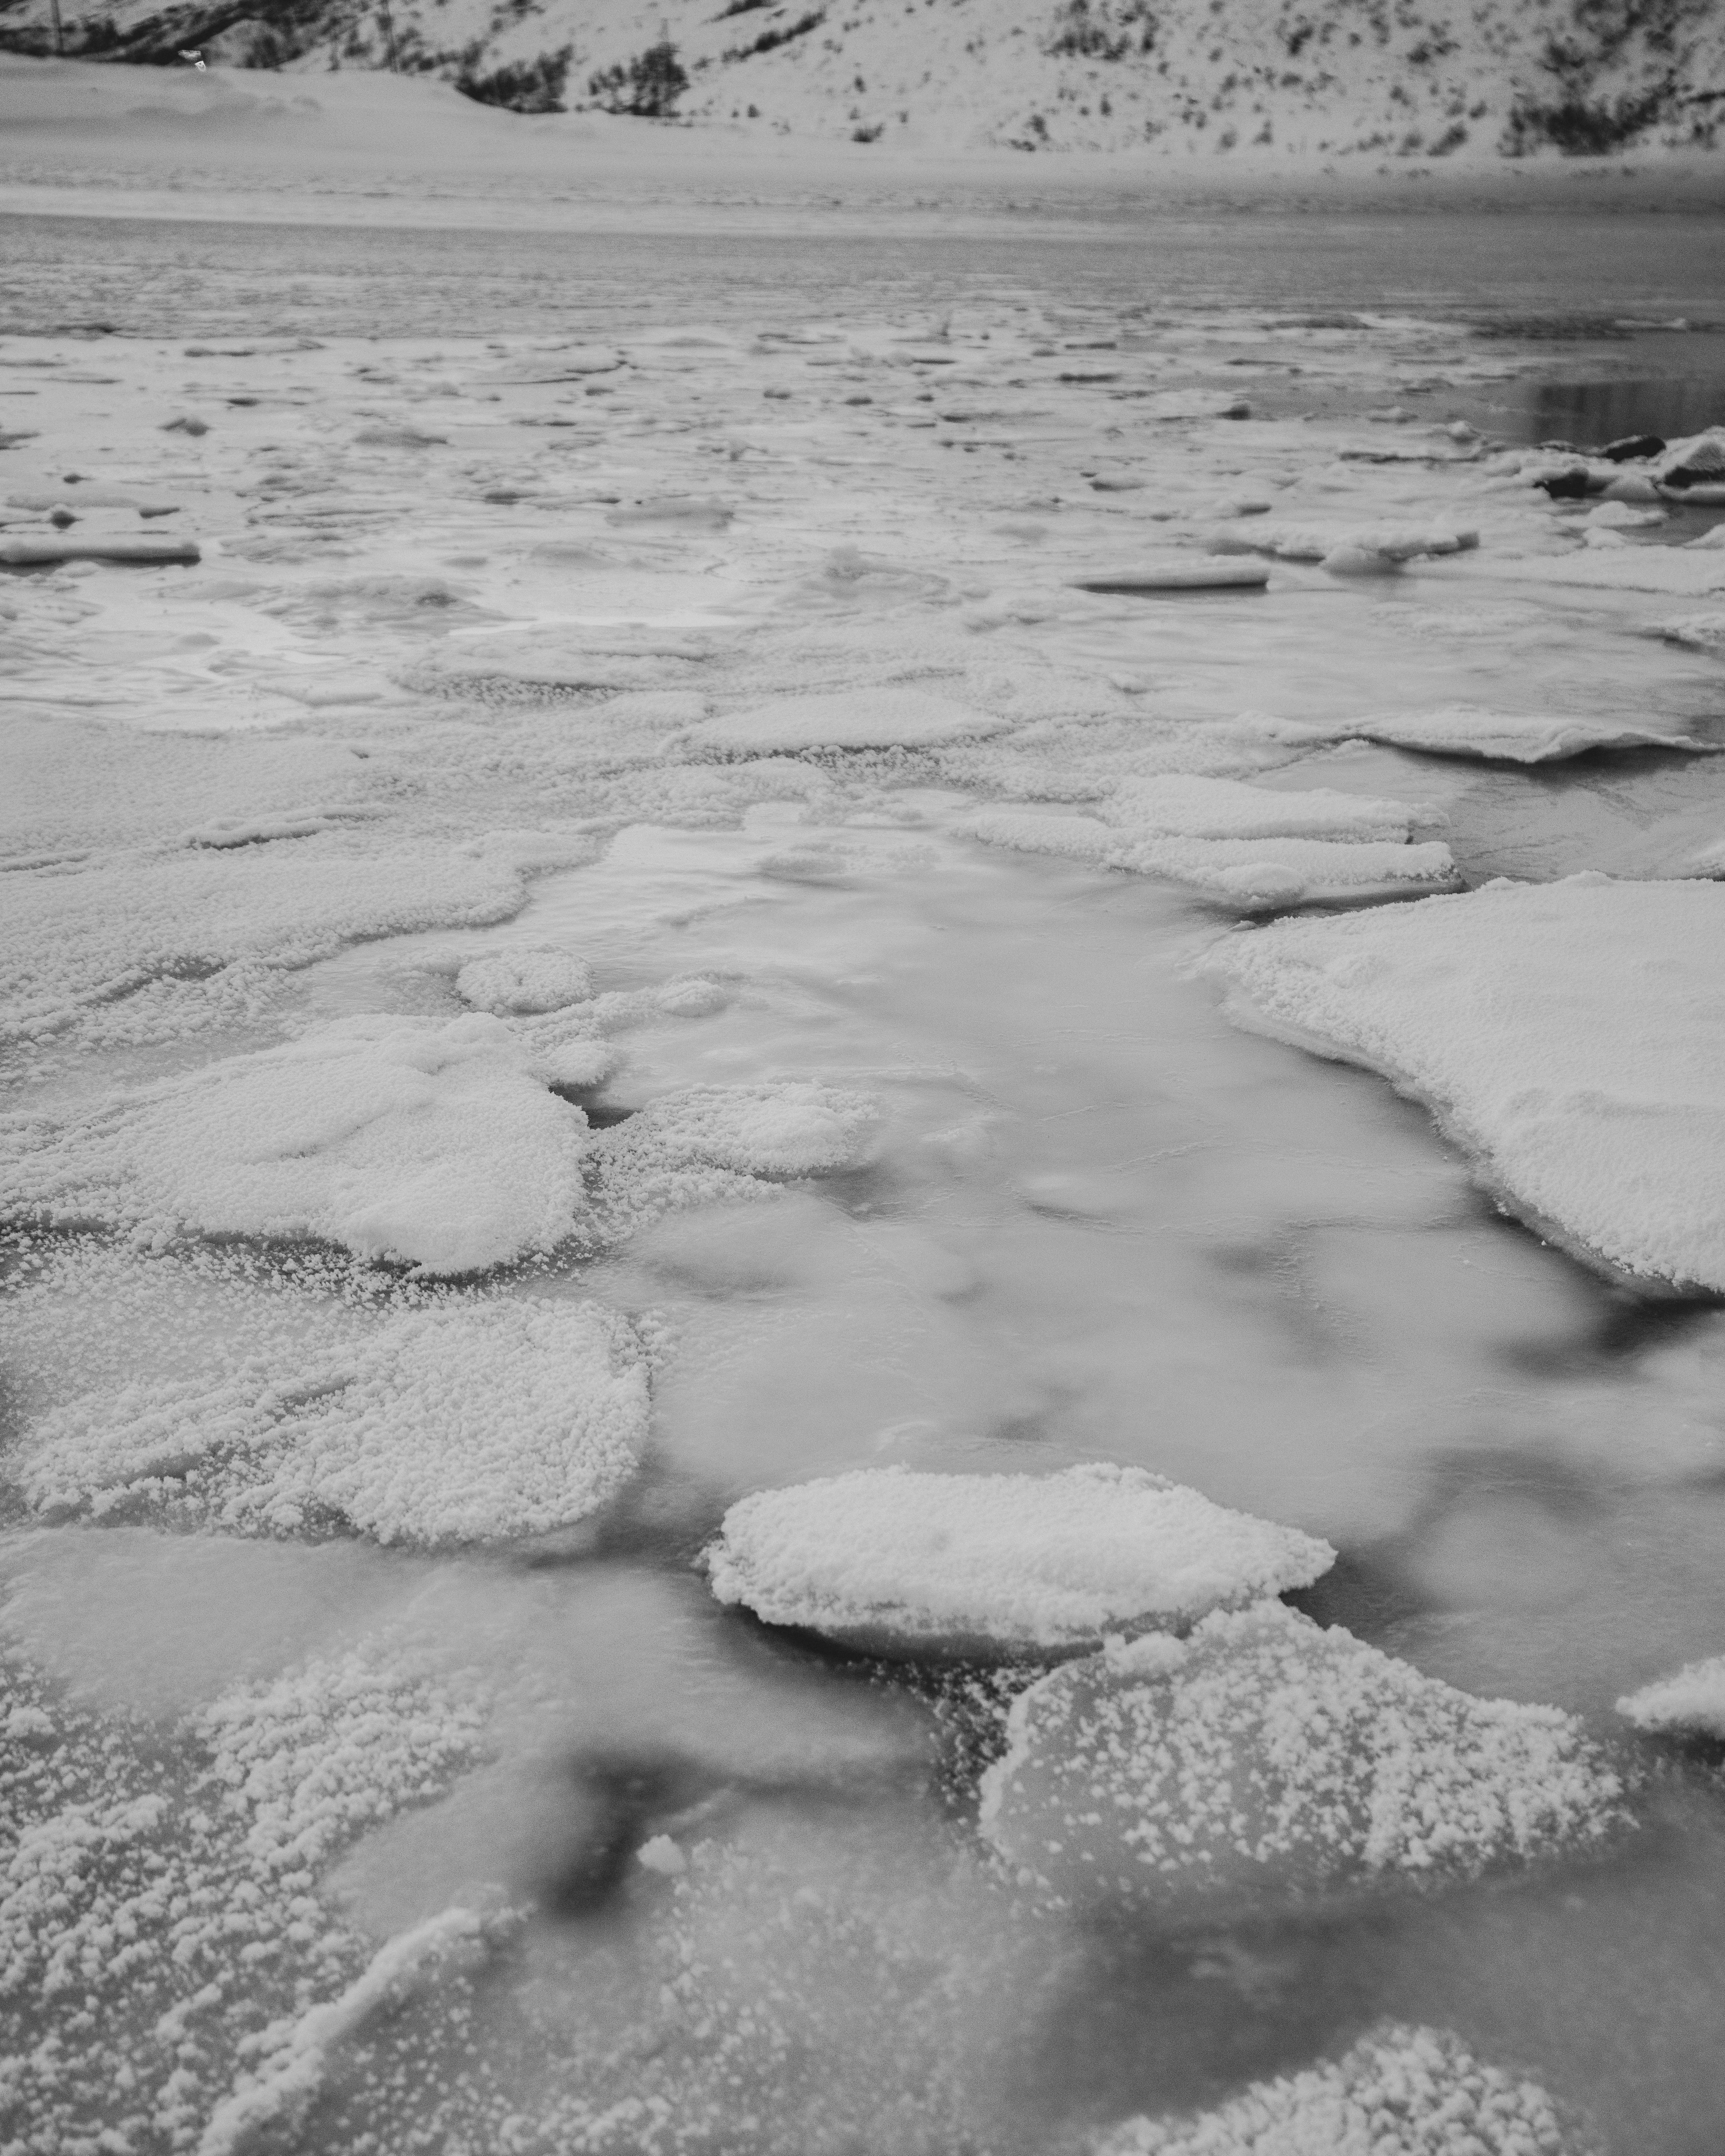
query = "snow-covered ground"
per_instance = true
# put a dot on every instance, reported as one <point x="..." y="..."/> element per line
<point x="664" y="913"/>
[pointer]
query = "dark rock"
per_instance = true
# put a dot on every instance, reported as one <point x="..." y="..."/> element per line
<point x="1633" y="446"/>
<point x="1568" y="486"/>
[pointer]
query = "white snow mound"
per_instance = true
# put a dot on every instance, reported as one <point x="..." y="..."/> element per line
<point x="1265" y="1759"/>
<point x="1398" y="2091"/>
<point x="947" y="1564"/>
<point x="1692" y="1702"/>
<point x="397" y="1137"/>
<point x="850" y="719"/>
<point x="1259" y="874"/>
<point x="1571" y="1035"/>
<point x="470" y="1421"/>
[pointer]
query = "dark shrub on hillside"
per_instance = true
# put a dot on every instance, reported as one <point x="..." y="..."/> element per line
<point x="523" y="86"/>
<point x="647" y="89"/>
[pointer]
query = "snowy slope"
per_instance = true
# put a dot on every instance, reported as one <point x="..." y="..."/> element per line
<point x="1305" y="78"/>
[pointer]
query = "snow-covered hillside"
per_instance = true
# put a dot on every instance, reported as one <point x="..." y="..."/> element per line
<point x="1210" y="78"/>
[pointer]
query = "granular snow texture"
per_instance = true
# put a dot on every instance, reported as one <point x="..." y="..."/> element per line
<point x="1265" y="1761"/>
<point x="1398" y="2091"/>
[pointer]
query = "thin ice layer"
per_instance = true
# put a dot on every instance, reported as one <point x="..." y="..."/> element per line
<point x="940" y="1563"/>
<point x="1264" y="1760"/>
<point x="397" y="1137"/>
<point x="471" y="1420"/>
<point x="1692" y="1703"/>
<point x="851" y="719"/>
<point x="1398" y="2091"/>
<point x="1572" y="1035"/>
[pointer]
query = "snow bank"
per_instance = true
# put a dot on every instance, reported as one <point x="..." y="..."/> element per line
<point x="470" y="1421"/>
<point x="1264" y="1758"/>
<point x="278" y="2095"/>
<point x="1510" y="737"/>
<point x="942" y="1564"/>
<point x="1398" y="2091"/>
<point x="523" y="983"/>
<point x="851" y="719"/>
<point x="1691" y="1703"/>
<point x="1571" y="1035"/>
<point x="397" y="1137"/>
<point x="125" y="932"/>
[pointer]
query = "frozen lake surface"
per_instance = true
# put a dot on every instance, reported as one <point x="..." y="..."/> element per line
<point x="654" y="919"/>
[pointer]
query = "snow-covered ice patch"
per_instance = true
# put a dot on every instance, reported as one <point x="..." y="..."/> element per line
<point x="1397" y="2092"/>
<point x="114" y="934"/>
<point x="470" y="1421"/>
<point x="945" y="1565"/>
<point x="850" y="719"/>
<point x="1692" y="1702"/>
<point x="435" y="1144"/>
<point x="523" y="982"/>
<point x="1570" y="1035"/>
<point x="1264" y="1760"/>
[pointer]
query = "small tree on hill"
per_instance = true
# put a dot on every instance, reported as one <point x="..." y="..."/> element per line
<point x="647" y="89"/>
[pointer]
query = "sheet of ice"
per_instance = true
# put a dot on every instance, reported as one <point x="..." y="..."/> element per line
<point x="1515" y="737"/>
<point x="1567" y="1034"/>
<point x="1264" y="1761"/>
<point x="852" y="719"/>
<point x="1397" y="2092"/>
<point x="468" y="1421"/>
<point x="1691" y="1703"/>
<point x="947" y="1564"/>
<point x="435" y="1144"/>
<point x="1349" y="546"/>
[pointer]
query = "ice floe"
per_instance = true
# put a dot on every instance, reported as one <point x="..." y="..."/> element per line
<point x="1264" y="1760"/>
<point x="435" y="1144"/>
<point x="1244" y="845"/>
<point x="850" y="719"/>
<point x="438" y="1145"/>
<point x="467" y="1421"/>
<point x="997" y="1564"/>
<point x="1567" y="1034"/>
<point x="1397" y="2092"/>
<point x="1349" y="547"/>
<point x="1510" y="737"/>
<point x="1691" y="1703"/>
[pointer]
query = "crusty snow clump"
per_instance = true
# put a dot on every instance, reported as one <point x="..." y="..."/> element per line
<point x="1398" y="2091"/>
<point x="1018" y="1563"/>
